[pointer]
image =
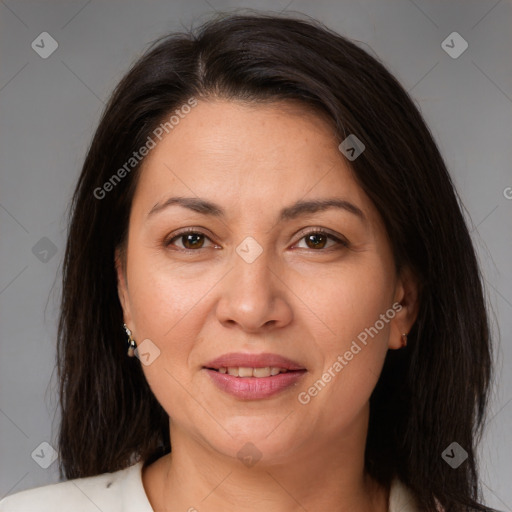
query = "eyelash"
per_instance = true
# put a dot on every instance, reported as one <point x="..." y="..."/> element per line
<point x="315" y="231"/>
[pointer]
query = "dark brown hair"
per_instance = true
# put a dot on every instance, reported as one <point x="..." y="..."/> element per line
<point x="429" y="395"/>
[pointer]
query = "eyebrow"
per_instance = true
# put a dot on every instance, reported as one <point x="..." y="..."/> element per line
<point x="297" y="209"/>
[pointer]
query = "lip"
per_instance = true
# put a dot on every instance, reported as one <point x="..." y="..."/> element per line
<point x="254" y="388"/>
<point x="253" y="361"/>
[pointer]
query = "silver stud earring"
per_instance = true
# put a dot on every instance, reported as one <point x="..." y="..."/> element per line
<point x="131" y="342"/>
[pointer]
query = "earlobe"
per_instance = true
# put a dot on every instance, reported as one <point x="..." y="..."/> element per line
<point x="407" y="295"/>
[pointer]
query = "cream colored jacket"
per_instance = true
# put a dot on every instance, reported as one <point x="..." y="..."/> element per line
<point x="123" y="491"/>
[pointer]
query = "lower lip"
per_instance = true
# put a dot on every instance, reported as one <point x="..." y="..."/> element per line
<point x="255" y="388"/>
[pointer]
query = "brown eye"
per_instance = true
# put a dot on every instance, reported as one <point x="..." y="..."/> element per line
<point x="190" y="240"/>
<point x="316" y="240"/>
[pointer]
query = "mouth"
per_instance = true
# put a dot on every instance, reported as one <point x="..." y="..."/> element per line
<point x="254" y="376"/>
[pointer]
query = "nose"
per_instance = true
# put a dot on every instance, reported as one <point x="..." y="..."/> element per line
<point x="254" y="296"/>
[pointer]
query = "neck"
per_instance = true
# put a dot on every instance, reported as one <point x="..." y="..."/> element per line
<point x="326" y="475"/>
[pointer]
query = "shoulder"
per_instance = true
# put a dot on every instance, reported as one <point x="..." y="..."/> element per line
<point x="121" y="491"/>
<point x="401" y="498"/>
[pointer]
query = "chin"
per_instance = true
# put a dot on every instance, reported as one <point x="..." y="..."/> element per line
<point x="260" y="443"/>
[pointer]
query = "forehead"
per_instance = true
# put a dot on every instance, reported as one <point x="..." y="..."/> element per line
<point x="253" y="153"/>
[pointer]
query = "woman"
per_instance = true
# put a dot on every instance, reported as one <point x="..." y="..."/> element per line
<point x="266" y="221"/>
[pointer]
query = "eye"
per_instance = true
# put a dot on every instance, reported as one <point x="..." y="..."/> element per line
<point x="191" y="240"/>
<point x="318" y="238"/>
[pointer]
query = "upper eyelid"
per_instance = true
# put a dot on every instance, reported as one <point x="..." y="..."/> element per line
<point x="306" y="231"/>
<point x="186" y="231"/>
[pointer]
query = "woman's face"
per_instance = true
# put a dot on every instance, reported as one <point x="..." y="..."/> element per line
<point x="255" y="280"/>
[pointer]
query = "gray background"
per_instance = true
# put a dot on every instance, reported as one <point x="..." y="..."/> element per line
<point x="50" y="108"/>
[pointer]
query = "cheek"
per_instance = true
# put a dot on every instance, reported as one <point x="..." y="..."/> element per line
<point x="163" y="309"/>
<point x="162" y="292"/>
<point x="351" y="299"/>
<point x="162" y="304"/>
<point x="354" y="339"/>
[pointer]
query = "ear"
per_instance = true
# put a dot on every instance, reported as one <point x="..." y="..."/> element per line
<point x="122" y="286"/>
<point x="407" y="296"/>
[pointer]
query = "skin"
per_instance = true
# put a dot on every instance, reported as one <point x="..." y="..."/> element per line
<point x="302" y="301"/>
